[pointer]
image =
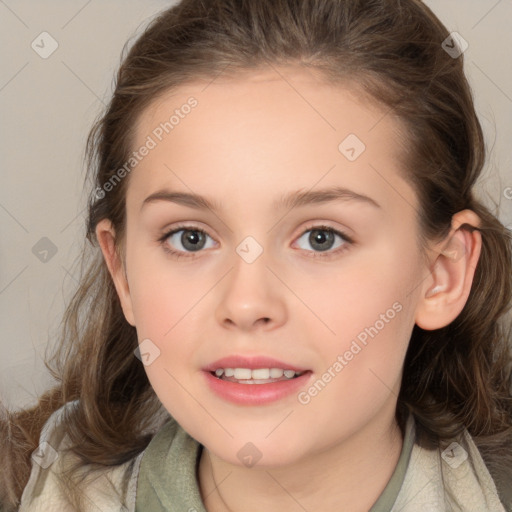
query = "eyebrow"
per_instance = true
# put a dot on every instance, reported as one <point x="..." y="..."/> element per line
<point x="289" y="201"/>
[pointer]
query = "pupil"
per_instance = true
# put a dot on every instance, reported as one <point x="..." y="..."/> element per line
<point x="322" y="237"/>
<point x="192" y="240"/>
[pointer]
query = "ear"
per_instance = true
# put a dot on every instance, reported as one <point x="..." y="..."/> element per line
<point x="106" y="238"/>
<point x="445" y="293"/>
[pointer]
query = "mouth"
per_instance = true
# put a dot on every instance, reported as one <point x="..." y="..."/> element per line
<point x="254" y="380"/>
<point x="255" y="376"/>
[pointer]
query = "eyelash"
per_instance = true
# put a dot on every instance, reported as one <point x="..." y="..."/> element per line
<point x="348" y="241"/>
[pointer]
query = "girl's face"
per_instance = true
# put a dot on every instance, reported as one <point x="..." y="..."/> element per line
<point x="292" y="245"/>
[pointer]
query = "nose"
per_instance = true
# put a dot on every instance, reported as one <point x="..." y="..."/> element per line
<point x="251" y="298"/>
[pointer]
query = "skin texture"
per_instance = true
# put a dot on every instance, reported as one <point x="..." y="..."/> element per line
<point x="250" y="140"/>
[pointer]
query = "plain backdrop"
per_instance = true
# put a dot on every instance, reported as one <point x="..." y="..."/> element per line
<point x="47" y="106"/>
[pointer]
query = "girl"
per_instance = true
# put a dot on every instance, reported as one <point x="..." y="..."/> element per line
<point x="295" y="301"/>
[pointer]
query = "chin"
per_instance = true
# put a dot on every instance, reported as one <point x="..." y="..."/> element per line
<point x="258" y="455"/>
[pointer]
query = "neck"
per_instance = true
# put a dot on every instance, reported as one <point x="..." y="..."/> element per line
<point x="348" y="476"/>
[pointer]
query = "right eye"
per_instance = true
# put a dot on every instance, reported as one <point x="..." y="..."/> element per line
<point x="190" y="238"/>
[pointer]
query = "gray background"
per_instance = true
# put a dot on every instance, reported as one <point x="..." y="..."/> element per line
<point x="48" y="105"/>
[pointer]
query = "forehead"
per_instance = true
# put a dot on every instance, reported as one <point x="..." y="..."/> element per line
<point x="270" y="125"/>
<point x="288" y="91"/>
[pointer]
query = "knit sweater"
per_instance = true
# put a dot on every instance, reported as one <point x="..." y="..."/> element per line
<point x="163" y="477"/>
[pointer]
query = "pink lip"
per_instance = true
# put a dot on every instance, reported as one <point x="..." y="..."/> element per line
<point x="254" y="394"/>
<point x="251" y="362"/>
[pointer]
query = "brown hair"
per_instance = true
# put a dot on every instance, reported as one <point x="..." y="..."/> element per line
<point x="455" y="377"/>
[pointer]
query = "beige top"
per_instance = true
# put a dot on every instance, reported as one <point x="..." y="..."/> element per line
<point x="163" y="477"/>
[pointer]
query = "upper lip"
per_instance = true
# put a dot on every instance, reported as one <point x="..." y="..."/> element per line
<point x="251" y="362"/>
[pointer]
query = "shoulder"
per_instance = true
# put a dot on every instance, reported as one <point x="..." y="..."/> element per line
<point x="107" y="489"/>
<point x="447" y="476"/>
<point x="168" y="471"/>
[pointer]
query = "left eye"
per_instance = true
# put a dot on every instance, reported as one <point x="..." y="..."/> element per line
<point x="323" y="239"/>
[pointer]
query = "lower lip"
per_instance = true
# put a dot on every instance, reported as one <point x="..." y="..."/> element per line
<point x="255" y="394"/>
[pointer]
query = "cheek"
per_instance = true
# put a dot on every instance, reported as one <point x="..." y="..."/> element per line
<point x="362" y="366"/>
<point x="161" y="293"/>
<point x="370" y="310"/>
<point x="168" y="311"/>
<point x="371" y="288"/>
<point x="164" y="314"/>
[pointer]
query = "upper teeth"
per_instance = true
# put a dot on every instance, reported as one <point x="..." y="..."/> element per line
<point x="259" y="373"/>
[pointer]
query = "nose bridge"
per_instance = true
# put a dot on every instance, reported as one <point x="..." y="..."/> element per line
<point x="251" y="294"/>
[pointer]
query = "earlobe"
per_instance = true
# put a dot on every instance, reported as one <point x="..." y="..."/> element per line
<point x="447" y="289"/>
<point x="105" y="235"/>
